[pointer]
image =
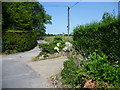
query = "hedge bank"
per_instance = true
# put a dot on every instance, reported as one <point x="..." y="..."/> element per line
<point x="99" y="36"/>
<point x="18" y="40"/>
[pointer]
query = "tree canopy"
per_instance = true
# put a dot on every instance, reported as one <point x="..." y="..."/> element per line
<point x="24" y="16"/>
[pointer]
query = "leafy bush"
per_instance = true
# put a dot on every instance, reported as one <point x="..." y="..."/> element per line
<point x="42" y="45"/>
<point x="18" y="41"/>
<point x="43" y="53"/>
<point x="69" y="73"/>
<point x="62" y="44"/>
<point x="100" y="36"/>
<point x="49" y="48"/>
<point x="97" y="67"/>
<point x="98" y="46"/>
<point x="101" y="69"/>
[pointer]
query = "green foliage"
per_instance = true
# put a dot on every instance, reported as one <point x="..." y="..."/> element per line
<point x="101" y="69"/>
<point x="58" y="38"/>
<point x="62" y="45"/>
<point x="97" y="68"/>
<point x="107" y="17"/>
<point x="43" y="53"/>
<point x="0" y="19"/>
<point x="101" y="36"/>
<point x="24" y="16"/>
<point x="69" y="73"/>
<point x="49" y="48"/>
<point x="42" y="45"/>
<point x="22" y="22"/>
<point x="18" y="41"/>
<point x="98" y="43"/>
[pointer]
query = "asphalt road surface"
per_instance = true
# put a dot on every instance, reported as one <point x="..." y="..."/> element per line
<point x="17" y="74"/>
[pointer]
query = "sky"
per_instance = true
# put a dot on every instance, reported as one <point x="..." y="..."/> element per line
<point x="82" y="13"/>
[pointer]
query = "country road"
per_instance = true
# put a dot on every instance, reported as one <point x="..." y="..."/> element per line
<point x="19" y="72"/>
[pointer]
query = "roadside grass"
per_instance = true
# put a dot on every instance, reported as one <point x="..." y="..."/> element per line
<point x="34" y="59"/>
<point x="50" y="39"/>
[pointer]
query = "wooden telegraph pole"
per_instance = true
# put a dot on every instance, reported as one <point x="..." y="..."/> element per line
<point x="68" y="21"/>
<point x="68" y="27"/>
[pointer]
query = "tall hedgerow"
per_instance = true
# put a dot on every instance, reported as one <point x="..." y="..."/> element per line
<point x="102" y="36"/>
<point x="18" y="41"/>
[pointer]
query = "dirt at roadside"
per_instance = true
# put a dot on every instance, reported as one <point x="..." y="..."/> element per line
<point x="48" y="68"/>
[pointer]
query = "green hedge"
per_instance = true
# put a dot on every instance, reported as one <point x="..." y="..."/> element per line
<point x="18" y="40"/>
<point x="100" y="36"/>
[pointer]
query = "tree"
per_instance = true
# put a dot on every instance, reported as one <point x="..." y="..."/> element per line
<point x="24" y="16"/>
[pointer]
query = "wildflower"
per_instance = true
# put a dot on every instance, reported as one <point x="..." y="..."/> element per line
<point x="84" y="62"/>
<point x="82" y="58"/>
<point x="56" y="48"/>
<point x="68" y="46"/>
<point x="49" y="80"/>
<point x="58" y="44"/>
<point x="86" y="59"/>
<point x="65" y="49"/>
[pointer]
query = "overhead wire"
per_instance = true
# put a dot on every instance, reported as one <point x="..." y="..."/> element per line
<point x="55" y="6"/>
<point x="60" y="5"/>
<point x="74" y="4"/>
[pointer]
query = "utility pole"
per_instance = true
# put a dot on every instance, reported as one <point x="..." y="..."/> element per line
<point x="68" y="27"/>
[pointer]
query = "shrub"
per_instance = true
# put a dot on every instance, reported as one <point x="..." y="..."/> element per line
<point x="100" y="36"/>
<point x="18" y="41"/>
<point x="69" y="73"/>
<point x="49" y="48"/>
<point x="43" y="53"/>
<point x="62" y="44"/>
<point x="98" y="43"/>
<point x="42" y="45"/>
<point x="97" y="68"/>
<point x="101" y="69"/>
